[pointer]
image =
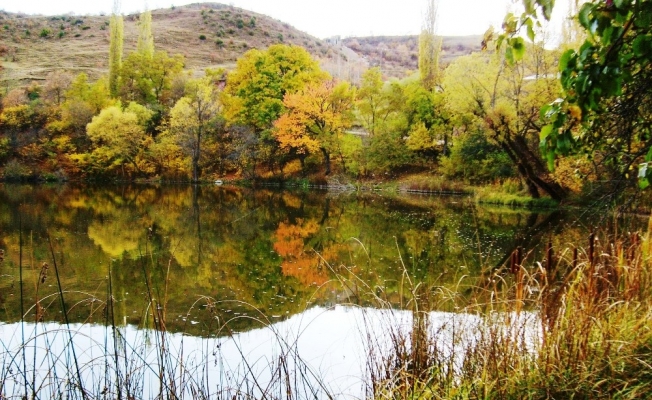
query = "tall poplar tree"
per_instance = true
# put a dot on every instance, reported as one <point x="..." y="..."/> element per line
<point x="116" y="26"/>
<point x="145" y="39"/>
<point x="429" y="48"/>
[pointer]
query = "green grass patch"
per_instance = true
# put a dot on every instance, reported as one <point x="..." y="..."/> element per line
<point x="513" y="200"/>
<point x="433" y="184"/>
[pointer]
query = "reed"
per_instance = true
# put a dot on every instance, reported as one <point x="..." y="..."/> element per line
<point x="575" y="325"/>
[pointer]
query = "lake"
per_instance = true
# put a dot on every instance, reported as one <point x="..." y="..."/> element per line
<point x="216" y="264"/>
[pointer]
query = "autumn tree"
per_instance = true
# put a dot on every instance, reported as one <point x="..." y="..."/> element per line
<point x="83" y="100"/>
<point x="15" y="97"/>
<point x="194" y="118"/>
<point x="56" y="84"/>
<point x="429" y="48"/>
<point x="256" y="87"/>
<point x="145" y="43"/>
<point x="15" y="120"/>
<point x="116" y="32"/>
<point x="149" y="79"/>
<point x="371" y="102"/>
<point x="146" y="75"/>
<point x="118" y="136"/>
<point x="506" y="97"/>
<point x="315" y="120"/>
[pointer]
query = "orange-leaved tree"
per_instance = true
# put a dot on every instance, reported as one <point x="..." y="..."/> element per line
<point x="315" y="120"/>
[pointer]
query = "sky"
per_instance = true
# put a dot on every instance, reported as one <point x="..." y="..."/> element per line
<point x="320" y="18"/>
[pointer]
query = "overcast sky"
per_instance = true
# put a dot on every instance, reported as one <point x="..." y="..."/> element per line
<point x="320" y="18"/>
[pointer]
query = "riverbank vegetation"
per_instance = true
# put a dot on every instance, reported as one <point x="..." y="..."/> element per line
<point x="278" y="116"/>
<point x="572" y="325"/>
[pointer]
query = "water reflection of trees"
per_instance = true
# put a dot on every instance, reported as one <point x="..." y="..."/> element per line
<point x="262" y="250"/>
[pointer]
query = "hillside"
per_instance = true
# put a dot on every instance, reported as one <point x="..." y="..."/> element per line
<point x="208" y="35"/>
<point x="398" y="55"/>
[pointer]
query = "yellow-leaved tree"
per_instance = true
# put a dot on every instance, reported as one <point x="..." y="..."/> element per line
<point x="194" y="118"/>
<point x="118" y="137"/>
<point x="316" y="118"/>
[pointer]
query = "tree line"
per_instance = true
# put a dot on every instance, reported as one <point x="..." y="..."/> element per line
<point x="559" y="122"/>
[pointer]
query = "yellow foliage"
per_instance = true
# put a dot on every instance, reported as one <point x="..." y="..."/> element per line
<point x="315" y="118"/>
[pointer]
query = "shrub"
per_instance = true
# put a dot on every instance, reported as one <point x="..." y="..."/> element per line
<point x="15" y="171"/>
<point x="45" y="33"/>
<point x="280" y="37"/>
<point x="202" y="37"/>
<point x="58" y="176"/>
<point x="77" y="34"/>
<point x="252" y="22"/>
<point x="231" y="31"/>
<point x="477" y="160"/>
<point x="219" y="43"/>
<point x="239" y="23"/>
<point x="5" y="148"/>
<point x="27" y="32"/>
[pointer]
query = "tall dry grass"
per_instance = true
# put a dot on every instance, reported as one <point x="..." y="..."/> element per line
<point x="577" y="324"/>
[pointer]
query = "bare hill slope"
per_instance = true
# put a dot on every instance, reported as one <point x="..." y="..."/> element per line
<point x="207" y="34"/>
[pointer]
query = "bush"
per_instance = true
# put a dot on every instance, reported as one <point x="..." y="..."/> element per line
<point x="61" y="34"/>
<point x="475" y="159"/>
<point x="219" y="43"/>
<point x="202" y="37"/>
<point x="5" y="148"/>
<point x="280" y="37"/>
<point x="239" y="23"/>
<point x="15" y="171"/>
<point x="45" y="33"/>
<point x="57" y="176"/>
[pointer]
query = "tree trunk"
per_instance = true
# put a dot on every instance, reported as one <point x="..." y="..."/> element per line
<point x="327" y="160"/>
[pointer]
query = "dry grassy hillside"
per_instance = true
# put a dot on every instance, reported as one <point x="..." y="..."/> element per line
<point x="208" y="35"/>
<point x="399" y="55"/>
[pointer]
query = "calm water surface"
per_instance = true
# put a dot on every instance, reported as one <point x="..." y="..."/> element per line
<point x="218" y="265"/>
<point x="268" y="254"/>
